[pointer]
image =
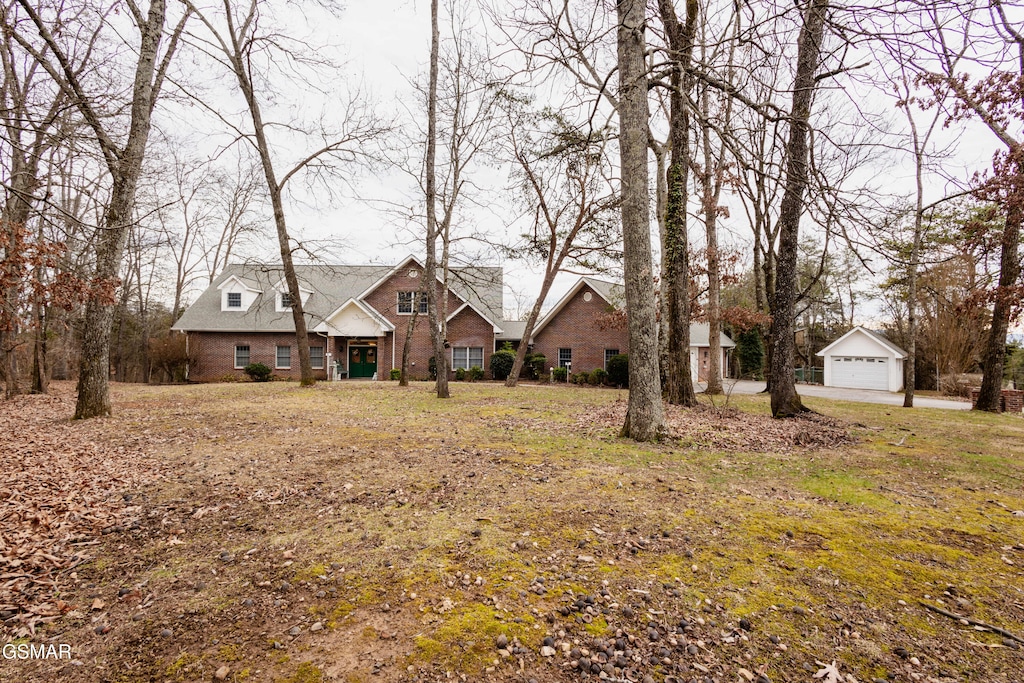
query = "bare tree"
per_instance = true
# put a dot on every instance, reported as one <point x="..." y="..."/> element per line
<point x="465" y="96"/>
<point x="675" y="244"/>
<point x="240" y="42"/>
<point x="644" y="413"/>
<point x="123" y="160"/>
<point x="565" y="180"/>
<point x="437" y="336"/>
<point x="784" y="398"/>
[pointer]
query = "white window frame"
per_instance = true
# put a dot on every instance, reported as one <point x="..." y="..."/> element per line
<point x="410" y="297"/>
<point x="608" y="357"/>
<point x="248" y="353"/>
<point x="282" y="305"/>
<point x="312" y="360"/>
<point x="567" y="363"/>
<point x="468" y="361"/>
<point x="277" y="357"/>
<point x="228" y="303"/>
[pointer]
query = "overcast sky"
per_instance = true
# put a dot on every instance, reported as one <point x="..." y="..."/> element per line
<point x="382" y="45"/>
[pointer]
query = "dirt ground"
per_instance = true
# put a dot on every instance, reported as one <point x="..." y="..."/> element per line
<point x="360" y="532"/>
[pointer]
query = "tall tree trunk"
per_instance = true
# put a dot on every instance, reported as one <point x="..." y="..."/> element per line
<point x="785" y="399"/>
<point x="712" y="188"/>
<point x="40" y="369"/>
<point x="125" y="166"/>
<point x="910" y="364"/>
<point x="240" y="67"/>
<point x="430" y="267"/>
<point x="645" y="413"/>
<point x="678" y="378"/>
<point x="1006" y="291"/>
<point x="531" y="322"/>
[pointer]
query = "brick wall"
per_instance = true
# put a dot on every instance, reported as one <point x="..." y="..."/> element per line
<point x="1010" y="400"/>
<point x="577" y="327"/>
<point x="469" y="329"/>
<point x="466" y="329"/>
<point x="213" y="353"/>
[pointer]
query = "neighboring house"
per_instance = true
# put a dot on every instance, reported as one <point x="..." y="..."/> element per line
<point x="862" y="359"/>
<point x="358" y="317"/>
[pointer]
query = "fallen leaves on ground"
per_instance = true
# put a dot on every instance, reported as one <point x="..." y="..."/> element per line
<point x="60" y="492"/>
<point x="726" y="428"/>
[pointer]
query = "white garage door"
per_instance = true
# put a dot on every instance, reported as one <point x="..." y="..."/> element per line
<point x="860" y="372"/>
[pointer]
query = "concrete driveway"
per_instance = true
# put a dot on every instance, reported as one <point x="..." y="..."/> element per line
<point x="857" y="395"/>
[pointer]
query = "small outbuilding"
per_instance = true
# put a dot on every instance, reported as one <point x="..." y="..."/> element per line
<point x="862" y="359"/>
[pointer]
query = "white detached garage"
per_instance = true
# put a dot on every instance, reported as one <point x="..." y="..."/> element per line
<point x="862" y="359"/>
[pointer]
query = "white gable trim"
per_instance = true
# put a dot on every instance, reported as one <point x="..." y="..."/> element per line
<point x="234" y="279"/>
<point x="326" y="327"/>
<point x="563" y="302"/>
<point x="391" y="273"/>
<point x="896" y="352"/>
<point x="497" y="329"/>
<point x="236" y="285"/>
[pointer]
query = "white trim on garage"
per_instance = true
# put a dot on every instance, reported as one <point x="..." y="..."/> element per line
<point x="862" y="359"/>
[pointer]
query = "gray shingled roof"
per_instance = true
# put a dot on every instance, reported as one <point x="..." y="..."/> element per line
<point x="332" y="286"/>
<point x="700" y="334"/>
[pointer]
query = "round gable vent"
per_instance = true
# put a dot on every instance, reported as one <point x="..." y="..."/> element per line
<point x="414" y="273"/>
<point x="587" y="296"/>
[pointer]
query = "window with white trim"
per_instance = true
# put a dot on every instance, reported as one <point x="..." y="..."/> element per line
<point x="405" y="300"/>
<point x="564" y="358"/>
<point x="467" y="357"/>
<point x="234" y="299"/>
<point x="316" y="357"/>
<point x="286" y="300"/>
<point x="241" y="356"/>
<point x="283" y="358"/>
<point x="608" y="355"/>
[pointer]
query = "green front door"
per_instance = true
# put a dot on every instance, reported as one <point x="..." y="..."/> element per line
<point x="362" y="361"/>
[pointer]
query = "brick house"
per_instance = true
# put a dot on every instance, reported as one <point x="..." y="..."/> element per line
<point x="356" y="314"/>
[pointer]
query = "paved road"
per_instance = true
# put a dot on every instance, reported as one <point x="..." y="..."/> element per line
<point x="858" y="395"/>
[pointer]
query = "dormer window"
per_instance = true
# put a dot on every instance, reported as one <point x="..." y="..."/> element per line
<point x="286" y="300"/>
<point x="234" y="299"/>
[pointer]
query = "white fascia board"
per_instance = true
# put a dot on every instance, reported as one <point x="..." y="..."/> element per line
<point x="562" y="302"/>
<point x="231" y="279"/>
<point x="403" y="264"/>
<point x="361" y="305"/>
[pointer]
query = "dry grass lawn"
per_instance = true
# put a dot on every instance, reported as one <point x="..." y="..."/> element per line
<point x="360" y="531"/>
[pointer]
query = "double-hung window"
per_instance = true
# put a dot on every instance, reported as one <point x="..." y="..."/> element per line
<point x="284" y="358"/>
<point x="608" y="355"/>
<point x="467" y="357"/>
<point x="405" y="300"/>
<point x="286" y="300"/>
<point x="316" y="357"/>
<point x="241" y="356"/>
<point x="234" y="299"/>
<point x="564" y="358"/>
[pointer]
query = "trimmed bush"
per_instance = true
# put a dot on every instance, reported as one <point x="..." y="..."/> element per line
<point x="396" y="374"/>
<point x="460" y="375"/>
<point x="560" y="374"/>
<point x="618" y="370"/>
<point x="581" y="378"/>
<point x="475" y="373"/>
<point x="502" y="362"/>
<point x="258" y="372"/>
<point x="598" y="376"/>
